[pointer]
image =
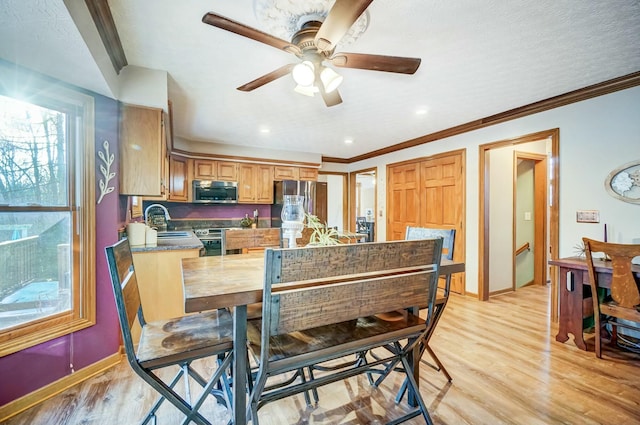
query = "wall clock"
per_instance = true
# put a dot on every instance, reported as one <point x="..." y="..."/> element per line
<point x="624" y="182"/>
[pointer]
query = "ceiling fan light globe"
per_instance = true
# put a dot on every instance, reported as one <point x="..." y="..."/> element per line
<point x="304" y="73"/>
<point x="330" y="79"/>
<point x="306" y="90"/>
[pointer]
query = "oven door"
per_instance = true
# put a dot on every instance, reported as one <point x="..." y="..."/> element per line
<point x="212" y="247"/>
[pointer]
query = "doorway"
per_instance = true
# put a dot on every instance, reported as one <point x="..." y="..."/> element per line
<point x="495" y="257"/>
<point x="363" y="201"/>
<point x="529" y="219"/>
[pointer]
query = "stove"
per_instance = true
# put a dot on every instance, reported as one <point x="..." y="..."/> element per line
<point x="211" y="239"/>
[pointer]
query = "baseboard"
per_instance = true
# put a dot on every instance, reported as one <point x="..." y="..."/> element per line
<point x="25" y="402"/>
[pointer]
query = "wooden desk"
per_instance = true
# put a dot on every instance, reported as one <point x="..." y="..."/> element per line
<point x="574" y="307"/>
<point x="235" y="281"/>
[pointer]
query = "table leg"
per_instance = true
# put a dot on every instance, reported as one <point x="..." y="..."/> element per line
<point x="240" y="365"/>
<point x="570" y="317"/>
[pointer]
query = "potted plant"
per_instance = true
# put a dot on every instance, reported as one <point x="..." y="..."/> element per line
<point x="322" y="234"/>
<point x="246" y="222"/>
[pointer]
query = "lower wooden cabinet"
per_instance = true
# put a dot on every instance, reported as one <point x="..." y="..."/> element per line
<point x="251" y="238"/>
<point x="159" y="275"/>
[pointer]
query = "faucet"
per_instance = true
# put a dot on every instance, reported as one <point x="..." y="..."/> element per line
<point x="167" y="217"/>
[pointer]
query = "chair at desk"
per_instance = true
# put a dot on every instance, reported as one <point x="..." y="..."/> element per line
<point x="448" y="236"/>
<point x="623" y="299"/>
<point x="173" y="342"/>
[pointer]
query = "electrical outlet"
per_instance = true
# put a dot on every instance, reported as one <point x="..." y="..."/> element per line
<point x="588" y="216"/>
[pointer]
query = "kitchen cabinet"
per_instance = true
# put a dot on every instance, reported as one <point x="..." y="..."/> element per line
<point x="159" y="275"/>
<point x="287" y="172"/>
<point x="310" y="174"/>
<point x="178" y="179"/>
<point x="143" y="156"/>
<point x="215" y="170"/>
<point x="251" y="238"/>
<point x="255" y="183"/>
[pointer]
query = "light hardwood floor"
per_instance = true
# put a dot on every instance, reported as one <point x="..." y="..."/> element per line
<point x="507" y="368"/>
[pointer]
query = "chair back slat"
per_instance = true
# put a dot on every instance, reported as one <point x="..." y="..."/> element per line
<point x="448" y="236"/>
<point x="311" y="287"/>
<point x="305" y="308"/>
<point x="340" y="260"/>
<point x="125" y="286"/>
<point x="624" y="287"/>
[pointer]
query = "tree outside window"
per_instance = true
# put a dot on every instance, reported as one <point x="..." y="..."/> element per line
<point x="46" y="184"/>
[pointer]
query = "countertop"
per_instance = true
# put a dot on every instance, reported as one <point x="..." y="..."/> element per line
<point x="171" y="244"/>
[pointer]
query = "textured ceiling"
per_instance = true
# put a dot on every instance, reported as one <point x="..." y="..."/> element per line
<point x="479" y="58"/>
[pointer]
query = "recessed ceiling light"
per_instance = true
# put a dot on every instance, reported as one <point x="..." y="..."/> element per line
<point x="348" y="141"/>
<point x="265" y="130"/>
<point x="422" y="111"/>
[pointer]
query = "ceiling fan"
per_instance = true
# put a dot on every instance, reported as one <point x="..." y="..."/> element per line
<point x="314" y="43"/>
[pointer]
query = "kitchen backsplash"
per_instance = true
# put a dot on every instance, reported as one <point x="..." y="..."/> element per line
<point x="201" y="216"/>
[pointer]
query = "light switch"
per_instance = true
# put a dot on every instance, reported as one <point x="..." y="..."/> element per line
<point x="527" y="216"/>
<point x="588" y="216"/>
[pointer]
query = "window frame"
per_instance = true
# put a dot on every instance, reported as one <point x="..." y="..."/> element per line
<point x="81" y="187"/>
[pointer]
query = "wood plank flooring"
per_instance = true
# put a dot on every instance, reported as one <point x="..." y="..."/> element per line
<point x="507" y="368"/>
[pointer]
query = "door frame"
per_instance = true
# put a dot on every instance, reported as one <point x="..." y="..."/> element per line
<point x="345" y="190"/>
<point x="352" y="198"/>
<point x="540" y="214"/>
<point x="484" y="208"/>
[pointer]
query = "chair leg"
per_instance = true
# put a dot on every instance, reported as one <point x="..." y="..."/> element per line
<point x="414" y="387"/>
<point x="598" y="332"/>
<point x="440" y="367"/>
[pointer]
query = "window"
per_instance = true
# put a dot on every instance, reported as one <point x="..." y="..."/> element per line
<point x="47" y="197"/>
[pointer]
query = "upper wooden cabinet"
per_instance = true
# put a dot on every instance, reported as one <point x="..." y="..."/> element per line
<point x="178" y="179"/>
<point x="215" y="170"/>
<point x="285" y="172"/>
<point x="142" y="151"/>
<point x="255" y="183"/>
<point x="289" y="172"/>
<point x="310" y="174"/>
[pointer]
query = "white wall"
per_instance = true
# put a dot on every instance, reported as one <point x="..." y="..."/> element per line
<point x="596" y="136"/>
<point x="335" y="195"/>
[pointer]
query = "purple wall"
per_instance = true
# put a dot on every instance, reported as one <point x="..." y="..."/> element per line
<point x="179" y="210"/>
<point x="36" y="367"/>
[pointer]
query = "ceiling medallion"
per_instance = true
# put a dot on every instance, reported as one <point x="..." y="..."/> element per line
<point x="283" y="18"/>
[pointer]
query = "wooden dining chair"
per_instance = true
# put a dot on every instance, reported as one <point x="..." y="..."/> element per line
<point x="618" y="306"/>
<point x="174" y="342"/>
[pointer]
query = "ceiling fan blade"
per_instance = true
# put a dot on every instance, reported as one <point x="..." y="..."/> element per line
<point x="340" y="18"/>
<point x="397" y="64"/>
<point x="252" y="33"/>
<point x="267" y="78"/>
<point x="330" y="99"/>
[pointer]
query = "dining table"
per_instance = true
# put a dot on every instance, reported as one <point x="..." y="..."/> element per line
<point x="236" y="281"/>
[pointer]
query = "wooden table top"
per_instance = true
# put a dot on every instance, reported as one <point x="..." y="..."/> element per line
<point x="230" y="280"/>
<point x="580" y="263"/>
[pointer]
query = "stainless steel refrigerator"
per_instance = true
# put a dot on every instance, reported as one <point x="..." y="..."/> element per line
<point x="307" y="189"/>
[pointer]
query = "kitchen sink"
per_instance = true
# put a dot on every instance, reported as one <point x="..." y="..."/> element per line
<point x="173" y="234"/>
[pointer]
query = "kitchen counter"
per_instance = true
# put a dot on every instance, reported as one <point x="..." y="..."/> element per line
<point x="173" y="244"/>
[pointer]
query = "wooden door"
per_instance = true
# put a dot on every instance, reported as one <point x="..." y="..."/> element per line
<point x="403" y="199"/>
<point x="441" y="205"/>
<point x="321" y="201"/>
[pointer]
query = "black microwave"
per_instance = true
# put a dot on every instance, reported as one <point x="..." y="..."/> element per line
<point x="215" y="192"/>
